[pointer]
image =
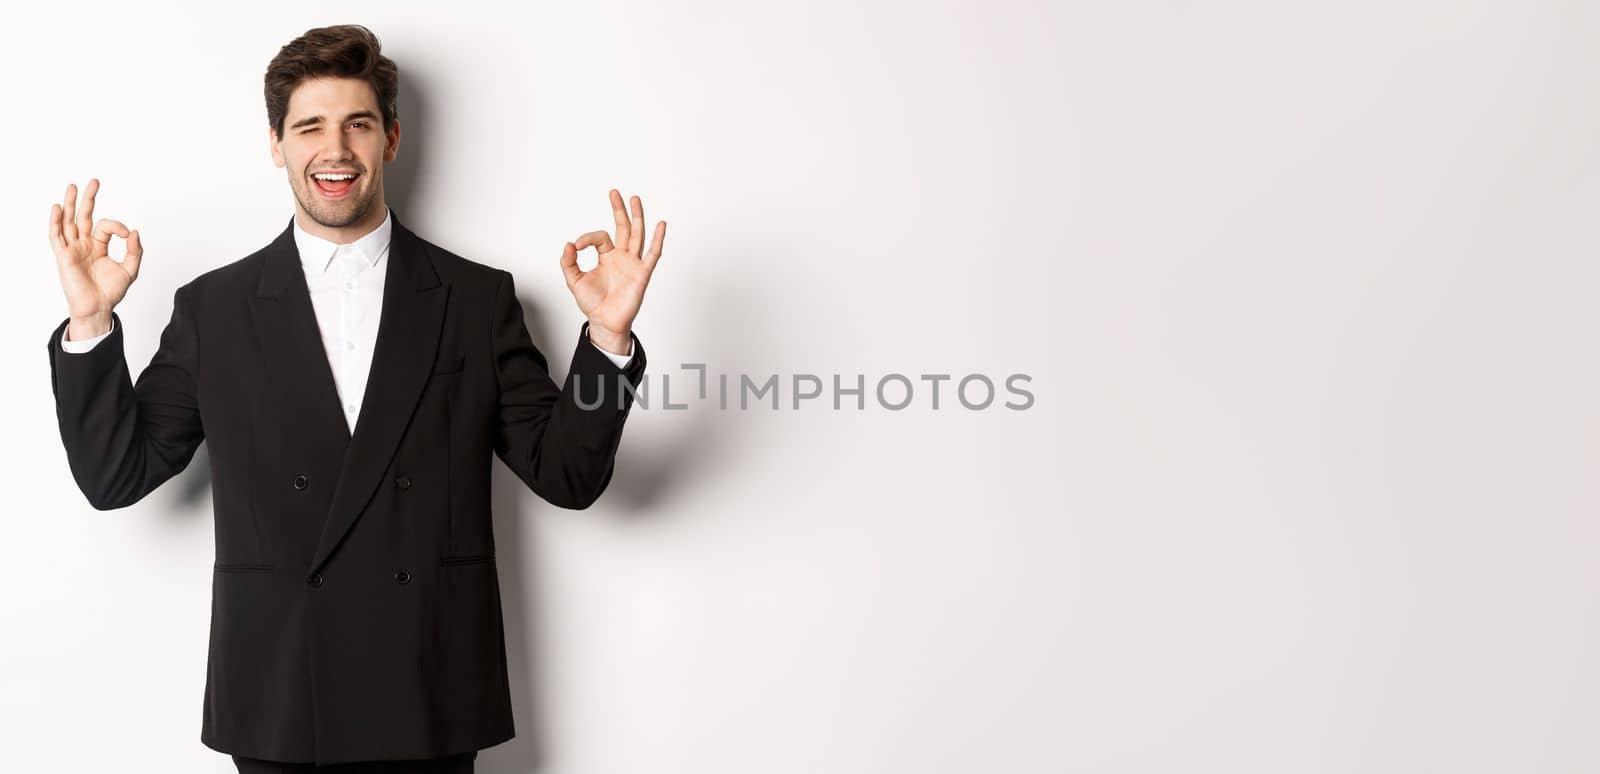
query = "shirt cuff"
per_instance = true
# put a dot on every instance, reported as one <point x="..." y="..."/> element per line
<point x="84" y="345"/>
<point x="621" y="361"/>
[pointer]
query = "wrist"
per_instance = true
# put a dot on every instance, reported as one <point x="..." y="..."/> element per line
<point x="88" y="326"/>
<point x="610" y="341"/>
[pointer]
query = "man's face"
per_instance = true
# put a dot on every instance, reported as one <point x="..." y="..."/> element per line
<point x="333" y="126"/>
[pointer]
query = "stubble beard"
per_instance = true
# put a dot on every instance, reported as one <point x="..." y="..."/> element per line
<point x="340" y="212"/>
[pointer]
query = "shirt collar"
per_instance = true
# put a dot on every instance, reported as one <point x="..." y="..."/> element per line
<point x="316" y="253"/>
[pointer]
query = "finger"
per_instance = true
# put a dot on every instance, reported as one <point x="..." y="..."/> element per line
<point x="621" y="216"/>
<point x="86" y="212"/>
<point x="656" y="242"/>
<point x="130" y="259"/>
<point x="636" y="229"/>
<point x="569" y="264"/>
<point x="100" y="235"/>
<point x="57" y="239"/>
<point x="599" y="239"/>
<point x="69" y="209"/>
<point x="105" y="228"/>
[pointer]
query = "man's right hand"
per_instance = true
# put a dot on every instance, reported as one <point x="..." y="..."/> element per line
<point x="93" y="281"/>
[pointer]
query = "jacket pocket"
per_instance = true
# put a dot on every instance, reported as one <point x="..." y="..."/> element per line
<point x="234" y="567"/>
<point x="449" y="561"/>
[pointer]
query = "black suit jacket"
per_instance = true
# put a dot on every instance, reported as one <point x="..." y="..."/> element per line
<point x="355" y="610"/>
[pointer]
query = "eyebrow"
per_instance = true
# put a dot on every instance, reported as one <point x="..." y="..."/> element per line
<point x="318" y="119"/>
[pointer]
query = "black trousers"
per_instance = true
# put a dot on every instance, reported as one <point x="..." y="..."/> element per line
<point x="449" y="764"/>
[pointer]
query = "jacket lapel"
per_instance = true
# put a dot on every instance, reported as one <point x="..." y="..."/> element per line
<point x="409" y="326"/>
<point x="302" y="389"/>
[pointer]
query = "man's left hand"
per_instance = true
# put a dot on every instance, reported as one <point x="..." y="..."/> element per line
<point x="610" y="293"/>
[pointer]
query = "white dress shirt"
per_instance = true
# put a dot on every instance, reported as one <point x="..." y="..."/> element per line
<point x="346" y="284"/>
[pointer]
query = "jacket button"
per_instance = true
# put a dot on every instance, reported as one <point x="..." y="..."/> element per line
<point x="314" y="580"/>
<point x="300" y="482"/>
<point x="403" y="482"/>
<point x="403" y="576"/>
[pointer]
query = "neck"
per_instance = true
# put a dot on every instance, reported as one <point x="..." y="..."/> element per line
<point x="343" y="235"/>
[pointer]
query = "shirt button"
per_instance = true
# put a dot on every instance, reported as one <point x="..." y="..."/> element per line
<point x="300" y="482"/>
<point x="349" y="345"/>
<point x="351" y="407"/>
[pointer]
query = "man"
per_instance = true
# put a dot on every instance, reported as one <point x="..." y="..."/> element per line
<point x="352" y="380"/>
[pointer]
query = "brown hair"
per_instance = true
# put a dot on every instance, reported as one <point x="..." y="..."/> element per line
<point x="343" y="51"/>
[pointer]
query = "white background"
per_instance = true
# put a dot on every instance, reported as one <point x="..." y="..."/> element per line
<point x="1306" y="292"/>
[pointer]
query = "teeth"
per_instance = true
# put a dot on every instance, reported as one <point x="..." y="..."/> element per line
<point x="332" y="177"/>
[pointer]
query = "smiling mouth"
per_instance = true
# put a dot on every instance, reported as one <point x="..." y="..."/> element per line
<point x="334" y="185"/>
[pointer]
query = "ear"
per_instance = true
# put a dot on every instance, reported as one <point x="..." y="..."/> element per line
<point x="391" y="147"/>
<point x="272" y="146"/>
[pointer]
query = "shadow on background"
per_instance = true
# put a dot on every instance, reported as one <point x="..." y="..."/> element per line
<point x="647" y="477"/>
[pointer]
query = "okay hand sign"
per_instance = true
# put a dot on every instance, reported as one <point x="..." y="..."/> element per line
<point x="610" y="293"/>
<point x="93" y="281"/>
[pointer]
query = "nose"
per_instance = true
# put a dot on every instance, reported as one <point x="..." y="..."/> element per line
<point x="336" y="148"/>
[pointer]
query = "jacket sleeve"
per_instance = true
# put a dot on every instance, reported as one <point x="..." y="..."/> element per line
<point x="561" y="441"/>
<point x="124" y="439"/>
<point x="86" y="344"/>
